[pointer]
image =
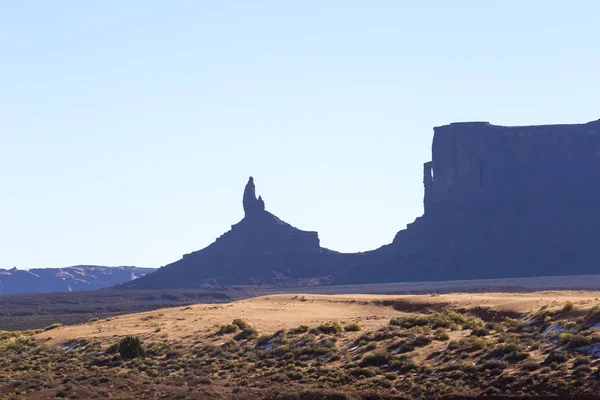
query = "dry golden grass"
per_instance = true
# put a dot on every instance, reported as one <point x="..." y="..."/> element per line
<point x="271" y="313"/>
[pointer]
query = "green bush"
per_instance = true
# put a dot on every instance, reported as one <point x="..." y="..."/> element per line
<point x="375" y="359"/>
<point x="299" y="330"/>
<point x="354" y="327"/>
<point x="247" y="333"/>
<point x="364" y="372"/>
<point x="130" y="347"/>
<point x="230" y="328"/>
<point x="568" y="306"/>
<point x="441" y="335"/>
<point x="53" y="326"/>
<point x="530" y="366"/>
<point x="558" y="357"/>
<point x="480" y="332"/>
<point x="578" y="340"/>
<point x="581" y="360"/>
<point x="447" y="319"/>
<point x="330" y="328"/>
<point x="493" y="365"/>
<point x="241" y="323"/>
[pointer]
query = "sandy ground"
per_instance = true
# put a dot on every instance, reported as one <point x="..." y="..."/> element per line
<point x="285" y="311"/>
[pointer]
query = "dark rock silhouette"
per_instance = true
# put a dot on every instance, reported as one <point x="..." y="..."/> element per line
<point x="260" y="249"/>
<point x="252" y="206"/>
<point x="70" y="279"/>
<point x="498" y="202"/>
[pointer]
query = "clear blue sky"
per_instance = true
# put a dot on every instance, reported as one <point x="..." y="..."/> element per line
<point x="129" y="128"/>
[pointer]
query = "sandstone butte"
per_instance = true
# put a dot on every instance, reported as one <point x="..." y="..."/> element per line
<point x="498" y="202"/>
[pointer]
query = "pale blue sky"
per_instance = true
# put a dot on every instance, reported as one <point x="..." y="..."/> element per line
<point x="129" y="128"/>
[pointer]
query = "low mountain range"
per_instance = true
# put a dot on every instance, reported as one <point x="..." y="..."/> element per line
<point x="70" y="279"/>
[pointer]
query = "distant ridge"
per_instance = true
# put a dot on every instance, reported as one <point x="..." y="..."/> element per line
<point x="69" y="279"/>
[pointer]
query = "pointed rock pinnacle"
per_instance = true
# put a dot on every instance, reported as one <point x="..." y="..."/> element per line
<point x="252" y="205"/>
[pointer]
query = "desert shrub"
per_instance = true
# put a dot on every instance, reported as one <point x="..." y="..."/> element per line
<point x="230" y="328"/>
<point x="516" y="356"/>
<point x="263" y="340"/>
<point x="462" y="366"/>
<point x="410" y="321"/>
<point x="577" y="340"/>
<point x="447" y="319"/>
<point x="441" y="335"/>
<point x="480" y="332"/>
<point x="421" y="341"/>
<point x="500" y="351"/>
<point x="375" y="359"/>
<point x="130" y="347"/>
<point x="581" y="360"/>
<point x="240" y="323"/>
<point x="535" y="345"/>
<point x="593" y="315"/>
<point x="299" y="330"/>
<point x="530" y="366"/>
<point x="391" y="376"/>
<point x="330" y="328"/>
<point x="568" y="306"/>
<point x="408" y="365"/>
<point x="363" y="372"/>
<point x="20" y="343"/>
<point x="7" y="334"/>
<point x="469" y="344"/>
<point x="559" y="357"/>
<point x="247" y="333"/>
<point x="493" y="365"/>
<point x="581" y="369"/>
<point x="53" y="326"/>
<point x="569" y="325"/>
<point x="354" y="327"/>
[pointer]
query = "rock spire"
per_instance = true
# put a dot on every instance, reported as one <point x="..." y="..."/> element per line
<point x="252" y="205"/>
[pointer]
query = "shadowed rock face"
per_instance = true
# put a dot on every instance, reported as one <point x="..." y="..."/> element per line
<point x="259" y="249"/>
<point x="498" y="202"/>
<point x="502" y="202"/>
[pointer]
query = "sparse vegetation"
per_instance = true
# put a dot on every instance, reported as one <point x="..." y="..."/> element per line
<point x="414" y="356"/>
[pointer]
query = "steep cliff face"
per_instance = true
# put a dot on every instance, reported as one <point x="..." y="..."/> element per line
<point x="503" y="201"/>
<point x="498" y="202"/>
<point x="259" y="249"/>
<point x="485" y="166"/>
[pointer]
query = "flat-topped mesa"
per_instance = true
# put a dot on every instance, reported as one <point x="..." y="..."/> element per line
<point x="252" y="205"/>
<point x="484" y="166"/>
